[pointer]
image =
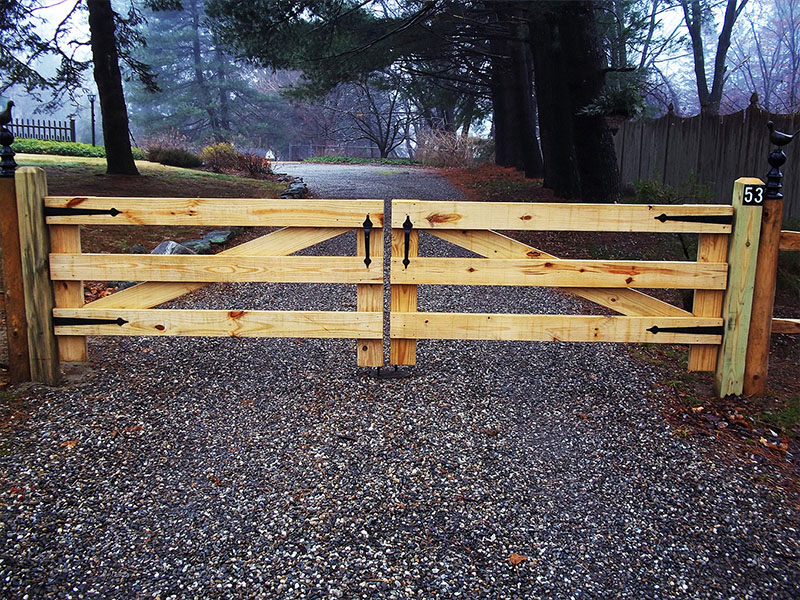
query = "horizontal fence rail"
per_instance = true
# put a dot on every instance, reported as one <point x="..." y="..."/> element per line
<point x="219" y="323"/>
<point x="187" y="268"/>
<point x="561" y="273"/>
<point x="256" y="212"/>
<point x="556" y="328"/>
<point x="524" y="216"/>
<point x="790" y="240"/>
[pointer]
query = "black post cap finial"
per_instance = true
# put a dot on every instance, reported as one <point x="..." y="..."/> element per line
<point x="776" y="159"/>
<point x="7" y="162"/>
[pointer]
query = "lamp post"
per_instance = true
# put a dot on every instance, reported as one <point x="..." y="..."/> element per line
<point x="92" y="98"/>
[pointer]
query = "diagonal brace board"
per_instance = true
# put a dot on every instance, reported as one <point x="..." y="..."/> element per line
<point x="278" y="243"/>
<point x="495" y="245"/>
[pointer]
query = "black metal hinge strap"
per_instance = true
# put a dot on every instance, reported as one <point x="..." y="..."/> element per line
<point x="407" y="227"/>
<point x="713" y="219"/>
<point x="367" y="232"/>
<point x="688" y="330"/>
<point x="67" y="321"/>
<point x="68" y="211"/>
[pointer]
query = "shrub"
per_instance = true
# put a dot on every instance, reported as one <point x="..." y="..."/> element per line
<point x="176" y="157"/>
<point x="31" y="146"/>
<point x="220" y="156"/>
<point x="446" y="149"/>
<point x="253" y="164"/>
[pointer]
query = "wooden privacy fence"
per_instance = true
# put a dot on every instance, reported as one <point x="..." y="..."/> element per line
<point x="48" y="321"/>
<point x="722" y="276"/>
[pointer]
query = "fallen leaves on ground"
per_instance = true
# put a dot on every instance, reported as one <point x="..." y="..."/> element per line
<point x="516" y="559"/>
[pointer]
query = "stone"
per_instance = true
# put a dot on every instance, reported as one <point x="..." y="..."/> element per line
<point x="138" y="249"/>
<point x="198" y="246"/>
<point x="218" y="237"/>
<point x="170" y="247"/>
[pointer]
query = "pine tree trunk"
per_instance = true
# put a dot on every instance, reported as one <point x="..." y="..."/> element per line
<point x="555" y="115"/>
<point x="512" y="98"/>
<point x="594" y="144"/>
<point x="107" y="76"/>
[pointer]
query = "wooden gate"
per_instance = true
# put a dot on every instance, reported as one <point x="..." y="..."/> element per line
<point x="303" y="223"/>
<point x="726" y="261"/>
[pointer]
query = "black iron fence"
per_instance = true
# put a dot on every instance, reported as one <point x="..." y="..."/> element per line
<point x="44" y="129"/>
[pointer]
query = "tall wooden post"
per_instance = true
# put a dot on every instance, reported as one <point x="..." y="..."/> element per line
<point x="748" y="200"/>
<point x="758" y="343"/>
<point x="16" y="326"/>
<point x="31" y="188"/>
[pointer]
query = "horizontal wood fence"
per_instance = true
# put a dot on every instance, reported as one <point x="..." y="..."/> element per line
<point x="54" y="268"/>
<point x="714" y="149"/>
<point x="44" y="129"/>
<point x="48" y="314"/>
<point x="722" y="277"/>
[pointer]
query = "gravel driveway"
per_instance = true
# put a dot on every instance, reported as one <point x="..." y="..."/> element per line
<point x="245" y="468"/>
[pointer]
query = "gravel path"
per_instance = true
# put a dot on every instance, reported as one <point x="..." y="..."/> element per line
<point x="242" y="468"/>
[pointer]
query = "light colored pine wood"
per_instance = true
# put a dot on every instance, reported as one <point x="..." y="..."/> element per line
<point x="756" y="366"/>
<point x="559" y="273"/>
<point x="737" y="303"/>
<point x="790" y="240"/>
<point x="495" y="245"/>
<point x="554" y="217"/>
<point x="152" y="267"/>
<point x="226" y="323"/>
<point x="19" y="366"/>
<point x="31" y="188"/>
<point x="68" y="294"/>
<point x="217" y="212"/>
<point x="370" y="298"/>
<point x="403" y="299"/>
<point x="548" y="328"/>
<point x="278" y="243"/>
<point x="785" y="325"/>
<point x="711" y="248"/>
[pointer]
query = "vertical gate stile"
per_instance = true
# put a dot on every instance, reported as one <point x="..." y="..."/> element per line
<point x="405" y="245"/>
<point x="369" y="353"/>
<point x="68" y="294"/>
<point x="738" y="299"/>
<point x="31" y="185"/>
<point x="711" y="248"/>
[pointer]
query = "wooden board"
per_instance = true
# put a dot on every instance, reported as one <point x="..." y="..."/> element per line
<point x="31" y="188"/>
<point x="278" y="243"/>
<point x="369" y="353"/>
<point x="403" y="300"/>
<point x="68" y="294"/>
<point x="152" y="267"/>
<point x="219" y="212"/>
<point x="19" y="367"/>
<point x="737" y="303"/>
<point x="494" y="245"/>
<point x="711" y="248"/>
<point x="560" y="273"/>
<point x="790" y="240"/>
<point x="555" y="217"/>
<point x="548" y="328"/>
<point x="785" y="325"/>
<point x="226" y="323"/>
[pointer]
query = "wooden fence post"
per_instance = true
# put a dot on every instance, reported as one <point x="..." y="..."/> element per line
<point x="758" y="342"/>
<point x="16" y="326"/>
<point x="31" y="185"/>
<point x="748" y="198"/>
